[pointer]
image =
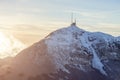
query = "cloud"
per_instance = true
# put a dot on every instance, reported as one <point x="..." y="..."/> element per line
<point x="92" y="15"/>
<point x="89" y="14"/>
<point x="109" y="25"/>
<point x="23" y="0"/>
<point x="109" y="28"/>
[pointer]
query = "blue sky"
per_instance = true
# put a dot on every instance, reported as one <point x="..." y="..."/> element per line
<point x="48" y="15"/>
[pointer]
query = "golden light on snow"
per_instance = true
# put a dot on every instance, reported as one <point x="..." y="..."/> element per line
<point x="9" y="46"/>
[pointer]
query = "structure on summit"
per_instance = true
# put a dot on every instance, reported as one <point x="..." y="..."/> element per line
<point x="73" y="21"/>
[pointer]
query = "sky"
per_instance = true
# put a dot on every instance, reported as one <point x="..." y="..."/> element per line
<point x="34" y="19"/>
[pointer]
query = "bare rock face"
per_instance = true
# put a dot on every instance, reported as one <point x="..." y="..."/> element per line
<point x="66" y="54"/>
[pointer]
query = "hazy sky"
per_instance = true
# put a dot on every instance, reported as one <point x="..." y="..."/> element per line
<point x="34" y="16"/>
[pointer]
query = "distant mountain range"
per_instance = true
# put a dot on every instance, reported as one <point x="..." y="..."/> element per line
<point x="66" y="54"/>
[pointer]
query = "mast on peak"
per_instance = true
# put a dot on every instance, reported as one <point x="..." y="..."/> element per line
<point x="73" y="22"/>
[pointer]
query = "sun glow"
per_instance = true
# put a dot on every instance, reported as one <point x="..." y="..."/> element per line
<point x="9" y="46"/>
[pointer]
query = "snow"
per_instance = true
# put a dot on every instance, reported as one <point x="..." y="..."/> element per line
<point x="59" y="40"/>
<point x="59" y="45"/>
<point x="97" y="64"/>
<point x="117" y="39"/>
<point x="106" y="37"/>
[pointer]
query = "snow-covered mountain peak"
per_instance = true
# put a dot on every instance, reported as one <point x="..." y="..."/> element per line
<point x="73" y="40"/>
<point x="70" y="54"/>
<point x="74" y="28"/>
<point x="67" y="32"/>
<point x="69" y="40"/>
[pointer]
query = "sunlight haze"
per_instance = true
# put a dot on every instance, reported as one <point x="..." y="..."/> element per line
<point x="37" y="18"/>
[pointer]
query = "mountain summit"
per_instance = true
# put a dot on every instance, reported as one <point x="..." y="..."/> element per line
<point x="69" y="53"/>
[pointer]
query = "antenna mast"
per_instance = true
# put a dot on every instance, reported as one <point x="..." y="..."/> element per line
<point x="71" y="18"/>
<point x="73" y="22"/>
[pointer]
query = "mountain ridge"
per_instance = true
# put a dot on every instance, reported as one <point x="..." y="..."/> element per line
<point x="69" y="54"/>
<point x="75" y="30"/>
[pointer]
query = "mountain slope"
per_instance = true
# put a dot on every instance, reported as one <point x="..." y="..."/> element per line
<point x="68" y="54"/>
